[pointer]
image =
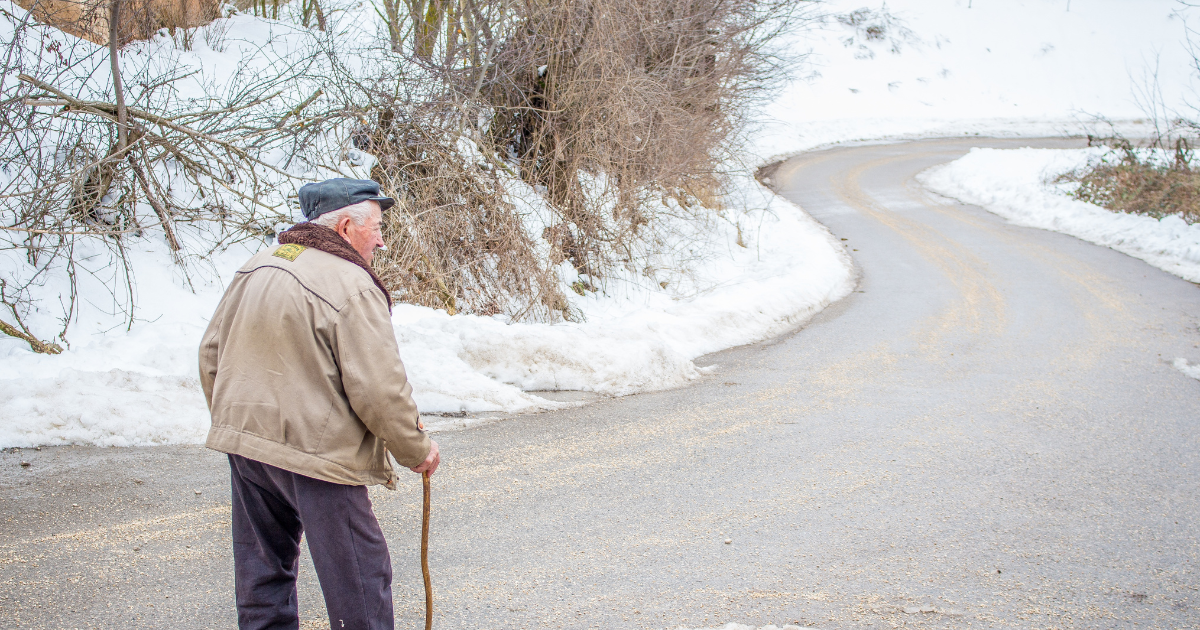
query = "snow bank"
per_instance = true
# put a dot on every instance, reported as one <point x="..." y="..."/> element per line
<point x="638" y="336"/>
<point x="1015" y="184"/>
<point x="139" y="387"/>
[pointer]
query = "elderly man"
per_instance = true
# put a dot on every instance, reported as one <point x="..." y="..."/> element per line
<point x="308" y="395"/>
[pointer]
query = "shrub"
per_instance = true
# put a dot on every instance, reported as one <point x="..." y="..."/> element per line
<point x="606" y="107"/>
<point x="1143" y="181"/>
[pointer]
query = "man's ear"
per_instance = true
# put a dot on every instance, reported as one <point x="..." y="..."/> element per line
<point x="343" y="227"/>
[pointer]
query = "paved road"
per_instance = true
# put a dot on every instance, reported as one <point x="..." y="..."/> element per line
<point x="986" y="429"/>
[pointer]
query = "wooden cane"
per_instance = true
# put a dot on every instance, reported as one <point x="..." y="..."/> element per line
<point x="425" y="554"/>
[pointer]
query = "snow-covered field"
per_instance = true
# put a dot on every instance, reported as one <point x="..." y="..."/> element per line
<point x="963" y="67"/>
<point x="940" y="68"/>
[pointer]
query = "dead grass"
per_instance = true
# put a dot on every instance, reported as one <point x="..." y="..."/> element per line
<point x="455" y="241"/>
<point x="1139" y="181"/>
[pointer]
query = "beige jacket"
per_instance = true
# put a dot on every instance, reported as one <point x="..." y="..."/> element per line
<point x="301" y="371"/>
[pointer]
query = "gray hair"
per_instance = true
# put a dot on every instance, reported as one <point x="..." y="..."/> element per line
<point x="359" y="213"/>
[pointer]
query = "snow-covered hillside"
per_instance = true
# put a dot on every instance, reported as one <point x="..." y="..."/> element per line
<point x="761" y="267"/>
<point x="954" y="67"/>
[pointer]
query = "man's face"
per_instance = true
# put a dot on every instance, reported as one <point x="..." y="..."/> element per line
<point x="364" y="238"/>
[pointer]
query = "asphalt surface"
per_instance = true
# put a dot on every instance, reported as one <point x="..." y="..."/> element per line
<point x="987" y="433"/>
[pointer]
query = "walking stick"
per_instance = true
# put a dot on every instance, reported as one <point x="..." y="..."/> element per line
<point x="425" y="554"/>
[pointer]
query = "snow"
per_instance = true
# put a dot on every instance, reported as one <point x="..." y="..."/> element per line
<point x="118" y="388"/>
<point x="1190" y="369"/>
<point x="636" y="335"/>
<point x="980" y="67"/>
<point x="1017" y="184"/>
<point x="754" y="270"/>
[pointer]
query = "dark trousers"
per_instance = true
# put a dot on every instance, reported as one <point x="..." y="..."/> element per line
<point x="271" y="509"/>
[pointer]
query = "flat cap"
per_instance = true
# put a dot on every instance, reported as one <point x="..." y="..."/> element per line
<point x="335" y="194"/>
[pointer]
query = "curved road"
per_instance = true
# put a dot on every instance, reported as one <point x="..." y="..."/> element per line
<point x="986" y="433"/>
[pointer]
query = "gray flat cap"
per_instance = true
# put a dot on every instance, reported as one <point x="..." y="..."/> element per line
<point x="335" y="194"/>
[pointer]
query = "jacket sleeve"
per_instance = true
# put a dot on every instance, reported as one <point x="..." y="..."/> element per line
<point x="374" y="380"/>
<point x="209" y="346"/>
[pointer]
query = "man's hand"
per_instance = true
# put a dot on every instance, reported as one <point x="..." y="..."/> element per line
<point x="431" y="461"/>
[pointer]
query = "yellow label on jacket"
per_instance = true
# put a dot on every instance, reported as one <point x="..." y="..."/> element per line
<point x="289" y="251"/>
